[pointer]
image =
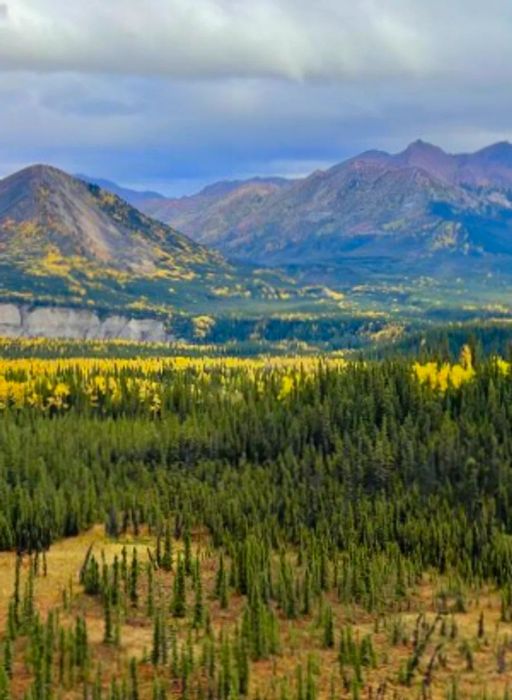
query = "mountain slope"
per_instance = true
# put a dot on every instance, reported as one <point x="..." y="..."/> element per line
<point x="63" y="241"/>
<point x="490" y="167"/>
<point x="370" y="209"/>
<point x="423" y="209"/>
<point x="217" y="208"/>
<point x="60" y="215"/>
<point x="133" y="197"/>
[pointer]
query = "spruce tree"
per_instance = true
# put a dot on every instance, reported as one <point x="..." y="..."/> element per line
<point x="221" y="584"/>
<point x="198" y="598"/>
<point x="108" y="636"/>
<point x="166" y="560"/>
<point x="150" y="601"/>
<point x="134" y="578"/>
<point x="5" y="693"/>
<point x="187" y="551"/>
<point x="178" y="604"/>
<point x="134" y="680"/>
<point x="328" y="632"/>
<point x="8" y="656"/>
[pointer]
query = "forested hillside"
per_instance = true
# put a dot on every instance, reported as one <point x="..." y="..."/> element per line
<point x="266" y="529"/>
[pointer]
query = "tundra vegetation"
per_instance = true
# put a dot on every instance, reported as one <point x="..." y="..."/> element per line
<point x="267" y="528"/>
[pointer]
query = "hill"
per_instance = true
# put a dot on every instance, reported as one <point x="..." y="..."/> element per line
<point x="397" y="243"/>
<point x="66" y="242"/>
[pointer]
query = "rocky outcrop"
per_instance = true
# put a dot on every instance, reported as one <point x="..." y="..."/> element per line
<point x="80" y="324"/>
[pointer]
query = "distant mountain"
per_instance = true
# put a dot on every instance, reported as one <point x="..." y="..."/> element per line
<point x="133" y="197"/>
<point x="218" y="208"/>
<point x="66" y="242"/>
<point x="421" y="210"/>
<point x="490" y="167"/>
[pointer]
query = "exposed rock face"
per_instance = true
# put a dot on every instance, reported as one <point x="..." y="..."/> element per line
<point x="55" y="322"/>
<point x="218" y="208"/>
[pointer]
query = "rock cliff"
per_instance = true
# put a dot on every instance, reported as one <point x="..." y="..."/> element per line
<point x="57" y="322"/>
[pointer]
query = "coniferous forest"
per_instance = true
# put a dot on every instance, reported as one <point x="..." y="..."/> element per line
<point x="255" y="350"/>
<point x="270" y="529"/>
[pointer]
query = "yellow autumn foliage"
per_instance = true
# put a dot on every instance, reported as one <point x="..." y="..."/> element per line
<point x="48" y="384"/>
<point x="59" y="384"/>
<point x="440" y="376"/>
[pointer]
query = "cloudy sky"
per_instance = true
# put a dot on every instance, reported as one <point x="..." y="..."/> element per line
<point x="172" y="94"/>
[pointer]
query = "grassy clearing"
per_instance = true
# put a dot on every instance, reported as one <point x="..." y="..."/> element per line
<point x="466" y="655"/>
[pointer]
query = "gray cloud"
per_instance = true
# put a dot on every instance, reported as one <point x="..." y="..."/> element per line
<point x="292" y="39"/>
<point x="179" y="135"/>
<point x="174" y="93"/>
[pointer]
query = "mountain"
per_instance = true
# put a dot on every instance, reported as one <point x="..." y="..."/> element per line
<point x="423" y="211"/>
<point x="218" y="208"/>
<point x="66" y="242"/>
<point x="133" y="197"/>
<point x="491" y="167"/>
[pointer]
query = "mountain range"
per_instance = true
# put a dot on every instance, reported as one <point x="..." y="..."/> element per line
<point x="422" y="210"/>
<point x="418" y="234"/>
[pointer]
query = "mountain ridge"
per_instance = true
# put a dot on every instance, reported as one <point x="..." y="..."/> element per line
<point x="132" y="196"/>
<point x="377" y="233"/>
<point x="441" y="203"/>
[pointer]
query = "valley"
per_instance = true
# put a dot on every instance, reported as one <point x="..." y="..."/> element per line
<point x="377" y="243"/>
<point x="255" y="350"/>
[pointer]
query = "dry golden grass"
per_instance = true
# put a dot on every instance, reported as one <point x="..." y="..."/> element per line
<point x="298" y="638"/>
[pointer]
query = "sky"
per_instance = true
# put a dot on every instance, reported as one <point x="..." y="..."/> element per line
<point x="173" y="94"/>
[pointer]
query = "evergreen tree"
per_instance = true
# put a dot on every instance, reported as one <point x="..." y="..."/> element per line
<point x="134" y="578"/>
<point x="108" y="636"/>
<point x="328" y="637"/>
<point x="187" y="551"/>
<point x="150" y="601"/>
<point x="5" y="693"/>
<point x="178" y="605"/>
<point x="166" y="560"/>
<point x="7" y="662"/>
<point x="221" y="585"/>
<point x="134" y="680"/>
<point x="198" y="598"/>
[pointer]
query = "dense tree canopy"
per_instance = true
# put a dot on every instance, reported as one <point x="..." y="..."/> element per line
<point x="360" y="455"/>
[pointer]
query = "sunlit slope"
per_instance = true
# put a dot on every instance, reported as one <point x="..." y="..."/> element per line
<point x="63" y="241"/>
